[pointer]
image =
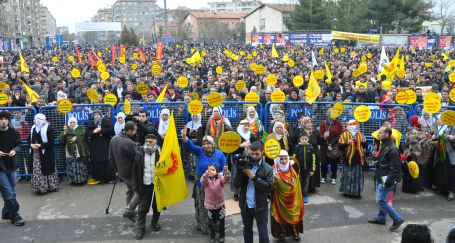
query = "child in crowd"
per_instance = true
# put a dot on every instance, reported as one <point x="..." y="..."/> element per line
<point x="306" y="157"/>
<point x="213" y="182"/>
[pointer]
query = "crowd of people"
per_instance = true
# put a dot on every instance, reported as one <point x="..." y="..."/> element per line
<point x="313" y="145"/>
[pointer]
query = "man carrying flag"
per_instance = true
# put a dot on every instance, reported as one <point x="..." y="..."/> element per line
<point x="24" y="67"/>
<point x="313" y="89"/>
<point x="32" y="94"/>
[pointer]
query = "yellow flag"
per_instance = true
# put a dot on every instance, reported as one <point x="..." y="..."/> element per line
<point x="328" y="73"/>
<point x="402" y="63"/>
<point x="170" y="184"/>
<point x="196" y="57"/>
<point x="285" y="57"/>
<point x="313" y="89"/>
<point x="24" y="67"/>
<point x="32" y="94"/>
<point x="274" y="52"/>
<point x="162" y="94"/>
<point x="445" y="57"/>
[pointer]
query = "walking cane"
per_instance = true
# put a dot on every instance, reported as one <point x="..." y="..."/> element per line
<point x="110" y="199"/>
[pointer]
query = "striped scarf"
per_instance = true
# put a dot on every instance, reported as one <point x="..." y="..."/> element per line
<point x="442" y="147"/>
<point x="214" y="128"/>
<point x="357" y="145"/>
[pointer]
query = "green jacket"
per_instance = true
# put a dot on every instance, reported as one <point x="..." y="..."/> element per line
<point x="81" y="142"/>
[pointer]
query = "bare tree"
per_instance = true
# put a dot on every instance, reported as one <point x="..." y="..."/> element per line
<point x="445" y="14"/>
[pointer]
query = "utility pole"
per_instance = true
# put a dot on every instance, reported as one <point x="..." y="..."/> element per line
<point x="165" y="16"/>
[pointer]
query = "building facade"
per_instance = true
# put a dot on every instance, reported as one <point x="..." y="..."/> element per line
<point x="240" y="6"/>
<point x="47" y="24"/>
<point x="269" y="18"/>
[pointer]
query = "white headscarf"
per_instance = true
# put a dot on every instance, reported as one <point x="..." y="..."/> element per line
<point x="162" y="127"/>
<point x="251" y="119"/>
<point x="242" y="133"/>
<point x="441" y="129"/>
<point x="72" y="119"/>
<point x="220" y="110"/>
<point x="352" y="127"/>
<point x="284" y="168"/>
<point x="195" y="124"/>
<point x="118" y="127"/>
<point x="428" y="123"/>
<point x="40" y="126"/>
<point x="275" y="125"/>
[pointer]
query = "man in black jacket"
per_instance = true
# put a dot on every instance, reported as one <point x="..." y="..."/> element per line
<point x="255" y="184"/>
<point x="388" y="174"/>
<point x="144" y="127"/>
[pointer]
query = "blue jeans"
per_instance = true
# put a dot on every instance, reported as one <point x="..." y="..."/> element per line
<point x="8" y="190"/>
<point x="384" y="207"/>
<point x="262" y="220"/>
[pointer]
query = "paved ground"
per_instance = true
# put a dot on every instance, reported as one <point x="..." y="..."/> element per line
<point x="77" y="214"/>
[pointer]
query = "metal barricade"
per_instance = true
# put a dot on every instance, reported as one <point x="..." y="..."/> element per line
<point x="83" y="113"/>
<point x="22" y="121"/>
<point x="419" y="109"/>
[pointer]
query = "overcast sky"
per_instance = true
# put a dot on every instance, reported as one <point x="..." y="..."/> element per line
<point x="69" y="12"/>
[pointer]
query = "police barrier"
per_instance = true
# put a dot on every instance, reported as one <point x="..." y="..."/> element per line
<point x="22" y="121"/>
<point x="83" y="113"/>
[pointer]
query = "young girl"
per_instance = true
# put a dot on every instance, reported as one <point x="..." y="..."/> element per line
<point x="213" y="182"/>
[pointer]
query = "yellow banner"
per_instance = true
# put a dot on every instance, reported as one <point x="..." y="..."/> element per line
<point x="338" y="35"/>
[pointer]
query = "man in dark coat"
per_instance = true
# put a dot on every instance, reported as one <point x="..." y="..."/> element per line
<point x="144" y="127"/>
<point x="10" y="145"/>
<point x="388" y="174"/>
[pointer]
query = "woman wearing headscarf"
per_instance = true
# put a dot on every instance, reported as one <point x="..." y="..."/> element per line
<point x="329" y="134"/>
<point x="353" y="144"/>
<point x="287" y="208"/>
<point x="256" y="127"/>
<point x="76" y="150"/>
<point x="427" y="122"/>
<point x="99" y="133"/>
<point x="417" y="148"/>
<point x="193" y="128"/>
<point x="217" y="124"/>
<point x="206" y="155"/>
<point x="120" y="123"/>
<point x="444" y="159"/>
<point x="44" y="178"/>
<point x="279" y="117"/>
<point x="280" y="133"/>
<point x="163" y="123"/>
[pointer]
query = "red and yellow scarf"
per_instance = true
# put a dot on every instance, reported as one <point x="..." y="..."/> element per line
<point x="214" y="128"/>
<point x="357" y="145"/>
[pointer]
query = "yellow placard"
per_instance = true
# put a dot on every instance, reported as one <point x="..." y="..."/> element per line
<point x="249" y="56"/>
<point x="142" y="88"/>
<point x="127" y="107"/>
<point x="242" y="53"/>
<point x="194" y="95"/>
<point x="182" y="82"/>
<point x="412" y="96"/>
<point x="254" y="53"/>
<point x="253" y="67"/>
<point x="156" y="69"/>
<point x="64" y="106"/>
<point x="271" y="79"/>
<point x="75" y="73"/>
<point x="428" y="64"/>
<point x="452" y="63"/>
<point x="219" y="70"/>
<point x="99" y="54"/>
<point x="214" y="99"/>
<point x="369" y="55"/>
<point x="55" y="59"/>
<point x="122" y="59"/>
<point x="319" y="74"/>
<point x="372" y="39"/>
<point x="278" y="96"/>
<point x="70" y="58"/>
<point x="99" y="62"/>
<point x="92" y="95"/>
<point x="204" y="53"/>
<point x="291" y="63"/>
<point x="452" y="77"/>
<point x="3" y="98"/>
<point x="386" y="85"/>
<point x="297" y="81"/>
<point x="195" y="107"/>
<point x="3" y="85"/>
<point x="272" y="148"/>
<point x="431" y="95"/>
<point x="336" y="50"/>
<point x="401" y="73"/>
<point x="343" y="50"/>
<point x="259" y="69"/>
<point x="355" y="73"/>
<point x="240" y="85"/>
<point x="337" y="110"/>
<point x="432" y="105"/>
<point x="363" y="58"/>
<point x="192" y="50"/>
<point x="448" y="117"/>
<point x="229" y="142"/>
<point x="252" y="97"/>
<point x="134" y="66"/>
<point x="401" y="97"/>
<point x="413" y="169"/>
<point x="363" y="67"/>
<point x="135" y="55"/>
<point x="110" y="99"/>
<point x="102" y="68"/>
<point x="362" y="113"/>
<point x="452" y="95"/>
<point x="105" y="76"/>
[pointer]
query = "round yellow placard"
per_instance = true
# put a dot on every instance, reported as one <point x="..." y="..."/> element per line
<point x="336" y="50"/>
<point x="75" y="73"/>
<point x="401" y="73"/>
<point x="105" y="76"/>
<point x="135" y="55"/>
<point x="92" y="95"/>
<point x="156" y="69"/>
<point x="204" y="53"/>
<point x="319" y="74"/>
<point x="122" y="59"/>
<point x="99" y="54"/>
<point x="252" y="97"/>
<point x="297" y="81"/>
<point x="355" y="73"/>
<point x="452" y="63"/>
<point x="448" y="117"/>
<point x="55" y="59"/>
<point x="363" y="58"/>
<point x="272" y="148"/>
<point x="362" y="113"/>
<point x="182" y="82"/>
<point x="337" y="110"/>
<point x="70" y="58"/>
<point x="271" y="79"/>
<point x="452" y="95"/>
<point x="219" y="70"/>
<point x="3" y="98"/>
<point x="102" y="68"/>
<point x="195" y="107"/>
<point x="239" y="85"/>
<point x="260" y="69"/>
<point x="254" y="53"/>
<point x="142" y="88"/>
<point x="253" y="67"/>
<point x="249" y="57"/>
<point x="278" y="96"/>
<point x="229" y="142"/>
<point x="110" y="99"/>
<point x="369" y="55"/>
<point x="452" y="77"/>
<point x="342" y="49"/>
<point x="214" y="99"/>
<point x="134" y="66"/>
<point x="363" y="67"/>
<point x="64" y="106"/>
<point x="431" y="95"/>
<point x="386" y="85"/>
<point x="127" y="107"/>
<point x="291" y="63"/>
<point x="432" y="105"/>
<point x="3" y="85"/>
<point x="194" y="95"/>
<point x="412" y="97"/>
<point x="401" y="97"/>
<point x="413" y="169"/>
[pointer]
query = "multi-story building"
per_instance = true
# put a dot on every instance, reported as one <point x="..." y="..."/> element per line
<point x="47" y="25"/>
<point x="103" y="15"/>
<point x="61" y="30"/>
<point x="243" y="6"/>
<point x="269" y="18"/>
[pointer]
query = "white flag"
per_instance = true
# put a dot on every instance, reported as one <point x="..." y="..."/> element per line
<point x="384" y="60"/>
<point x="313" y="60"/>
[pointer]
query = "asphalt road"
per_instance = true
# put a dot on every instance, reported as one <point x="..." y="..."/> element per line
<point x="77" y="214"/>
